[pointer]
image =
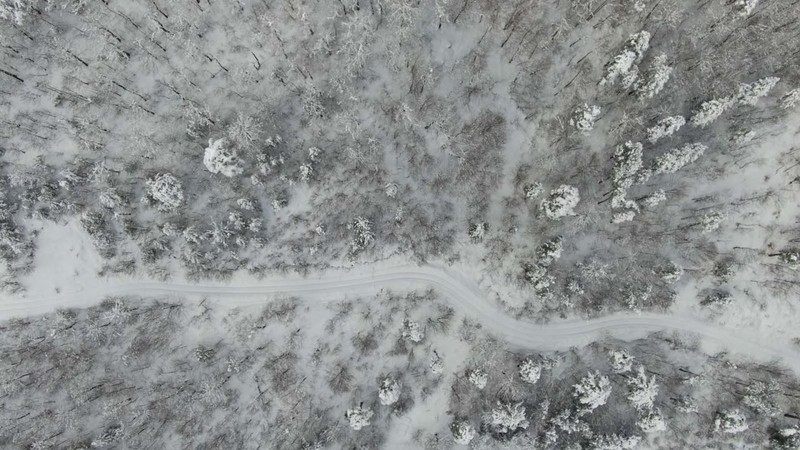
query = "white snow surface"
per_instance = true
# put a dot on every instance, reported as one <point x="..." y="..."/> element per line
<point x="57" y="283"/>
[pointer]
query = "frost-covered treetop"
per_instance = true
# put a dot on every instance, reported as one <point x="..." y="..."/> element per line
<point x="670" y="273"/>
<point x="358" y="417"/>
<point x="167" y="190"/>
<point x="730" y="422"/>
<point x="643" y="390"/>
<point x="529" y="371"/>
<point x="111" y="199"/>
<point x="745" y="7"/>
<point x="306" y="170"/>
<point x="437" y="364"/>
<point x="623" y="216"/>
<point x="584" y="118"/>
<point x="478" y="378"/>
<point x="651" y="421"/>
<point x="627" y="161"/>
<point x="391" y="189"/>
<point x="463" y="432"/>
<point x="790" y="256"/>
<point x="220" y="158"/>
<point x="664" y="128"/>
<point x="621" y="361"/>
<point x="508" y="417"/>
<point x="674" y="160"/>
<point x="389" y="392"/>
<point x="655" y="79"/>
<point x="614" y="442"/>
<point x="655" y="198"/>
<point x="750" y="93"/>
<point x="625" y="62"/>
<point x="790" y="99"/>
<point x="711" y="221"/>
<point x="562" y="202"/>
<point x="710" y="111"/>
<point x="593" y="390"/>
<point x="15" y="10"/>
<point x="477" y="231"/>
<point x="412" y="331"/>
<point x="550" y="251"/>
<point x="364" y="236"/>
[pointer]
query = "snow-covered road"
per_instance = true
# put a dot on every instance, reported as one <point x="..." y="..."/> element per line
<point x="455" y="287"/>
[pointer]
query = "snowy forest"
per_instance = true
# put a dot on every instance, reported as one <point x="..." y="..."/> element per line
<point x="566" y="224"/>
<point x="151" y="373"/>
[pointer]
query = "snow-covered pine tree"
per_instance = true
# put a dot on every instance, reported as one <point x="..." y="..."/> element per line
<point x="664" y="128"/>
<point x="561" y="202"/>
<point x="508" y="417"/>
<point x="358" y="417"/>
<point x="389" y="391"/>
<point x="593" y="390"/>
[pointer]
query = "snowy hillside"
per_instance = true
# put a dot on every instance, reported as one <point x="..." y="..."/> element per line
<point x="399" y="224"/>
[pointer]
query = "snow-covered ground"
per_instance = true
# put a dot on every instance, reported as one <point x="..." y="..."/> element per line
<point x="58" y="283"/>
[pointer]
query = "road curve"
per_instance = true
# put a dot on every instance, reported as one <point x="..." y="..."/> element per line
<point x="455" y="287"/>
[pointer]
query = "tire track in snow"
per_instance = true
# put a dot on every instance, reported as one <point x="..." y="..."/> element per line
<point x="463" y="295"/>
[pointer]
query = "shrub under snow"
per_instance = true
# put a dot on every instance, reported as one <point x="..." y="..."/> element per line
<point x="358" y="417"/>
<point x="219" y="158"/>
<point x="167" y="190"/>
<point x="562" y="202"/>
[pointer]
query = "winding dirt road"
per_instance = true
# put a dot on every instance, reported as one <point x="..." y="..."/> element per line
<point x="454" y="287"/>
